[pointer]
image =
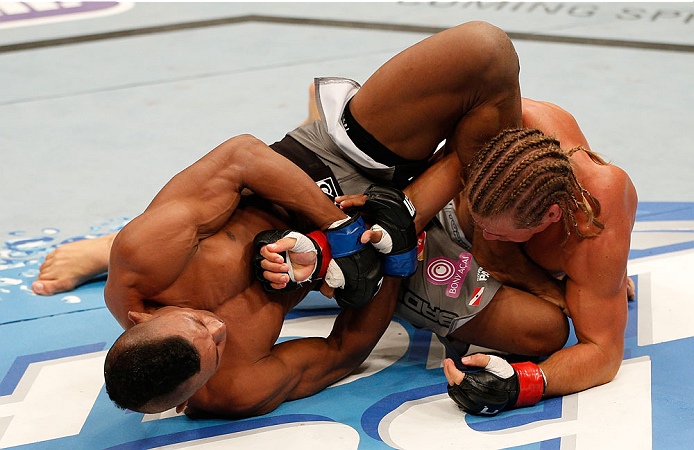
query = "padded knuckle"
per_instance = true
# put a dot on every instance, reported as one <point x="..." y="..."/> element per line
<point x="363" y="276"/>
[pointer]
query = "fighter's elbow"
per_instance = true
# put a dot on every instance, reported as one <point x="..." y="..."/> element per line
<point x="611" y="369"/>
<point x="611" y="362"/>
<point x="348" y="355"/>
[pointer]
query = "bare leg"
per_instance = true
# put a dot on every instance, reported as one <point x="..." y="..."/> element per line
<point x="313" y="113"/>
<point x="517" y="322"/>
<point x="72" y="264"/>
<point x="631" y="289"/>
<point x="460" y="85"/>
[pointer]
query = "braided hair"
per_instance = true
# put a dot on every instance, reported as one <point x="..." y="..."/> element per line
<point x="525" y="171"/>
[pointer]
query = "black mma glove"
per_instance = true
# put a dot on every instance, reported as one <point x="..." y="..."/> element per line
<point x="313" y="242"/>
<point x="356" y="270"/>
<point x="393" y="213"/>
<point x="500" y="386"/>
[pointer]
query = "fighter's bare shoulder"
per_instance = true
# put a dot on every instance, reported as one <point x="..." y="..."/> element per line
<point x="601" y="260"/>
<point x="554" y="121"/>
<point x="243" y="388"/>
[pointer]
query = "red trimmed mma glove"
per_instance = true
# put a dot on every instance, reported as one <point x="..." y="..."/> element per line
<point x="499" y="386"/>
<point x="356" y="270"/>
<point x="314" y="242"/>
<point x="393" y="214"/>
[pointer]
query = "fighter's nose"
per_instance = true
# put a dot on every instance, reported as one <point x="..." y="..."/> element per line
<point x="219" y="330"/>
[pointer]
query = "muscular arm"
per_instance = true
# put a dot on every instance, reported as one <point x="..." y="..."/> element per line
<point x="302" y="367"/>
<point x="429" y="194"/>
<point x="596" y="274"/>
<point x="596" y="298"/>
<point x="150" y="253"/>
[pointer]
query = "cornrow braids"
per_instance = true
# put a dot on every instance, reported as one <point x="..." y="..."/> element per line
<point x="594" y="156"/>
<point x="525" y="171"/>
<point x="549" y="172"/>
<point x="506" y="182"/>
<point x="496" y="147"/>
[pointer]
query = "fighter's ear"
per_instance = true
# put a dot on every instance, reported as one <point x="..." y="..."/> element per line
<point x="138" y="317"/>
<point x="554" y="213"/>
<point x="181" y="407"/>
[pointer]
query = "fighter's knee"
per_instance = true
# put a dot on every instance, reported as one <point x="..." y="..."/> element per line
<point x="494" y="48"/>
<point x="240" y="148"/>
<point x="492" y="39"/>
<point x="242" y="141"/>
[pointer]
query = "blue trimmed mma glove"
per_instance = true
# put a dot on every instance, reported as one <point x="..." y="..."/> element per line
<point x="499" y="386"/>
<point x="314" y="242"/>
<point x="356" y="270"/>
<point x="393" y="214"/>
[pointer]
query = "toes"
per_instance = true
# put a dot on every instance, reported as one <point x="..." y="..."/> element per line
<point x="50" y="287"/>
<point x="38" y="288"/>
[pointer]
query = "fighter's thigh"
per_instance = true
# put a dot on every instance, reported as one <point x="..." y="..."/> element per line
<point x="518" y="322"/>
<point x="416" y="99"/>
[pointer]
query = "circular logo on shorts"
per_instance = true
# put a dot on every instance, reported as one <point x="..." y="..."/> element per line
<point x="446" y="271"/>
<point x="440" y="270"/>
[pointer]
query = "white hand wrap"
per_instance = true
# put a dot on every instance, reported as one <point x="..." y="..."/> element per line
<point x="302" y="245"/>
<point x="334" y="276"/>
<point x="385" y="245"/>
<point x="499" y="367"/>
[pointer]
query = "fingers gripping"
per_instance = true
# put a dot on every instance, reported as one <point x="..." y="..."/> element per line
<point x="393" y="214"/>
<point x="303" y="244"/>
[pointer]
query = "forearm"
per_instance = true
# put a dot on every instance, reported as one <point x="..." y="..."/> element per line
<point x="579" y="367"/>
<point x="354" y="335"/>
<point x="434" y="188"/>
<point x="599" y="312"/>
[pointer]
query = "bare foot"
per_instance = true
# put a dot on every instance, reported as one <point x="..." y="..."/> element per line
<point x="631" y="289"/>
<point x="72" y="264"/>
<point x="313" y="113"/>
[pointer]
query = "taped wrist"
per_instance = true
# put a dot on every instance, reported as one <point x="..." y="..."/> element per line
<point x="344" y="236"/>
<point x="314" y="242"/>
<point x="265" y="238"/>
<point x="324" y="255"/>
<point x="531" y="383"/>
